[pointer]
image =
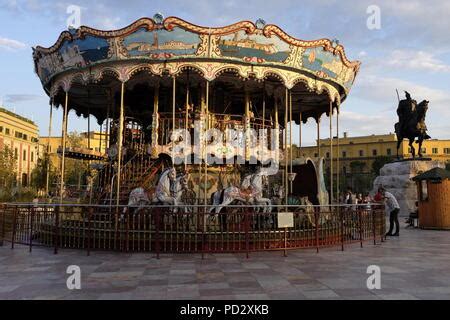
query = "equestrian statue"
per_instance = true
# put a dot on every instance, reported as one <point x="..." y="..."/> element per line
<point x="411" y="123"/>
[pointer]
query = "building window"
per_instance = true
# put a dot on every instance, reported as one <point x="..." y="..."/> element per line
<point x="374" y="152"/>
<point x="447" y="150"/>
<point x="32" y="156"/>
<point x="344" y="170"/>
<point x="24" y="155"/>
<point x="361" y="153"/>
<point x="7" y="131"/>
<point x="424" y="150"/>
<point x="16" y="154"/>
<point x="25" y="137"/>
<point x="1" y="129"/>
<point x="19" y="135"/>
<point x="315" y="155"/>
<point x="344" y="154"/>
<point x="435" y="150"/>
<point x="328" y="154"/>
<point x="388" y="152"/>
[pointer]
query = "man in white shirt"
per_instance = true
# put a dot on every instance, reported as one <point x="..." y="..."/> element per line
<point x="391" y="206"/>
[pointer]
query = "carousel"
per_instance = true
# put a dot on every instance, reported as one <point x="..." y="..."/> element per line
<point x="199" y="121"/>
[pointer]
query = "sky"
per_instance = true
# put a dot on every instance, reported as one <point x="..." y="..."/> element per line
<point x="409" y="51"/>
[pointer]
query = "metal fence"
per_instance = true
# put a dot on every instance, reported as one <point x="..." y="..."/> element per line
<point x="163" y="229"/>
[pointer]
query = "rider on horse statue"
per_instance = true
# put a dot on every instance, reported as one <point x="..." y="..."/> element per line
<point x="411" y="123"/>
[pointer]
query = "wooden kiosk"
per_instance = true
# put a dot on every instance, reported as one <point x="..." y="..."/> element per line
<point x="433" y="189"/>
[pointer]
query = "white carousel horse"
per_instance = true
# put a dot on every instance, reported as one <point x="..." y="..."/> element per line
<point x="249" y="193"/>
<point x="169" y="191"/>
<point x="164" y="190"/>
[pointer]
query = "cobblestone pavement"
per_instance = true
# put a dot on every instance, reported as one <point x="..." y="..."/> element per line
<point x="414" y="266"/>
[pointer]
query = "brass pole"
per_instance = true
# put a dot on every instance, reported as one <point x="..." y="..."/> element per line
<point x="186" y="122"/>
<point x="286" y="155"/>
<point x="107" y="129"/>
<point x="290" y="136"/>
<point x="120" y="141"/>
<point x="63" y="144"/>
<point x="331" y="153"/>
<point x="300" y="136"/>
<point x="47" y="179"/>
<point x="264" y="133"/>
<point x="247" y="126"/>
<point x="173" y="114"/>
<point x="206" y="142"/>
<point x="338" y="155"/>
<point x="155" y="120"/>
<point x="318" y="137"/>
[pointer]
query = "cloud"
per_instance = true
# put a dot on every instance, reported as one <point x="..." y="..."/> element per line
<point x="416" y="60"/>
<point x="18" y="98"/>
<point x="10" y="44"/>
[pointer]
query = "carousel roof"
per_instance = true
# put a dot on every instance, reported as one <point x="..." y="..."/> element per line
<point x="171" y="46"/>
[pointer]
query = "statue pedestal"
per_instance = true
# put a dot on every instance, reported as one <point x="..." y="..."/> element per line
<point x="396" y="177"/>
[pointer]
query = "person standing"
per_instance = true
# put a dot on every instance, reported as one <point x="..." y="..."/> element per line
<point x="392" y="206"/>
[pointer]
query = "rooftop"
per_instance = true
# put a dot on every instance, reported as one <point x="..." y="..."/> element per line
<point x="435" y="174"/>
<point x="16" y="116"/>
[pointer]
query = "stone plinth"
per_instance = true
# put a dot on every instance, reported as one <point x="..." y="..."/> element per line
<point x="396" y="177"/>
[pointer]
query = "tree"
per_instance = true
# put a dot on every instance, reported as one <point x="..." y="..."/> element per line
<point x="379" y="163"/>
<point x="357" y="166"/>
<point x="7" y="168"/>
<point x="39" y="173"/>
<point x="75" y="170"/>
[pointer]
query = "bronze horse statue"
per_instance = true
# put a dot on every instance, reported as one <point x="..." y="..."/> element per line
<point x="412" y="123"/>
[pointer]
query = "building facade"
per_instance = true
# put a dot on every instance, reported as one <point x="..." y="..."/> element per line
<point x="357" y="154"/>
<point x="20" y="135"/>
<point x="94" y="142"/>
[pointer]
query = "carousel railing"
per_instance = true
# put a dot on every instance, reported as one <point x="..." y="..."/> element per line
<point x="159" y="229"/>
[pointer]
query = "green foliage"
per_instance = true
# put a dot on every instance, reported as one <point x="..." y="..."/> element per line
<point x="379" y="162"/>
<point x="7" y="169"/>
<point x="357" y="166"/>
<point x="75" y="170"/>
<point x="39" y="173"/>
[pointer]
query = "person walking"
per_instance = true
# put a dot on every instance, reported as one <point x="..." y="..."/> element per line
<point x="392" y="206"/>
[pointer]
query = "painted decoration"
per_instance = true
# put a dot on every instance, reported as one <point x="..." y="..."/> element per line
<point x="323" y="63"/>
<point x="73" y="54"/>
<point x="161" y="43"/>
<point x="254" y="47"/>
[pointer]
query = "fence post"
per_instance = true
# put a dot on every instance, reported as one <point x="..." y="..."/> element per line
<point x="157" y="226"/>
<point x="316" y="220"/>
<point x="56" y="230"/>
<point x="360" y="227"/>
<point x="341" y="215"/>
<point x="90" y="211"/>
<point x="247" y="226"/>
<point x="3" y="212"/>
<point x="127" y="230"/>
<point x="13" y="236"/>
<point x="373" y="227"/>
<point x="203" y="224"/>
<point x="31" y="211"/>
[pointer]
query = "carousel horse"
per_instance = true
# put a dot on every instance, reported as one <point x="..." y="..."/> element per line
<point x="251" y="192"/>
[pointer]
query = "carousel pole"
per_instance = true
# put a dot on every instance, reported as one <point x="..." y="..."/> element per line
<point x="206" y="142"/>
<point x="155" y="121"/>
<point x="186" y="122"/>
<point x="107" y="129"/>
<point x="300" y="135"/>
<point x="331" y="152"/>
<point x="286" y="155"/>
<point x="290" y="137"/>
<point x="247" y="125"/>
<point x="338" y="155"/>
<point x="63" y="144"/>
<point x="264" y="133"/>
<point x="47" y="178"/>
<point x="173" y="114"/>
<point x="318" y="137"/>
<point x="120" y="142"/>
<point x="277" y="132"/>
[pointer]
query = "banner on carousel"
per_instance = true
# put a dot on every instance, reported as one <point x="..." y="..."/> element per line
<point x="218" y="147"/>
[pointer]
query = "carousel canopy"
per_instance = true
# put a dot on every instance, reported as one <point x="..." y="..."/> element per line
<point x="90" y="64"/>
